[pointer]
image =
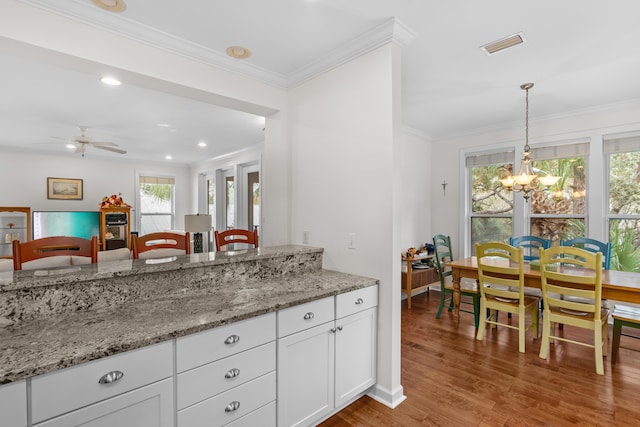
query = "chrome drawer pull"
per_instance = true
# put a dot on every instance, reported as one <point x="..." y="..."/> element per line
<point x="232" y="339"/>
<point x="111" y="377"/>
<point x="359" y="301"/>
<point x="339" y="328"/>
<point x="232" y="373"/>
<point x="233" y="406"/>
<point x="309" y="316"/>
<point x="333" y="330"/>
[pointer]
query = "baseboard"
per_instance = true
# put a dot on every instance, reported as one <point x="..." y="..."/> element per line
<point x="387" y="397"/>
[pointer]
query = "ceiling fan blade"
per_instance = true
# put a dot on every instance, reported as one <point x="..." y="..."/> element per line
<point x="104" y="143"/>
<point x="114" y="149"/>
<point x="59" y="137"/>
<point x="80" y="148"/>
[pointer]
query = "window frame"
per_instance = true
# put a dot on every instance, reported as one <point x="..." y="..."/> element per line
<point x="140" y="177"/>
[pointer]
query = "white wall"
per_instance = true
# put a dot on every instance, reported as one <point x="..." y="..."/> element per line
<point x="24" y="181"/>
<point x="448" y="210"/>
<point x="343" y="166"/>
<point x="415" y="194"/>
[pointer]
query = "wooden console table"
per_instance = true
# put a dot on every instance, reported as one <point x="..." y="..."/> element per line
<point x="414" y="279"/>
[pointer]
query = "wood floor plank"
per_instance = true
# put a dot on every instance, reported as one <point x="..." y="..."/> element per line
<point x="452" y="379"/>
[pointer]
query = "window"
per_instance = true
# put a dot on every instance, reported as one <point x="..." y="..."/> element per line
<point x="211" y="197"/>
<point x="622" y="156"/>
<point x="230" y="191"/>
<point x="560" y="213"/>
<point x="491" y="205"/>
<point x="156" y="203"/>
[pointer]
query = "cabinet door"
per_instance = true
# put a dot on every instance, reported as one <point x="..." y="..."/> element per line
<point x="305" y="375"/>
<point x="150" y="406"/>
<point x="13" y="404"/>
<point x="355" y="354"/>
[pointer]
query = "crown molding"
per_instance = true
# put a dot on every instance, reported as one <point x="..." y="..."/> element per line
<point x="391" y="30"/>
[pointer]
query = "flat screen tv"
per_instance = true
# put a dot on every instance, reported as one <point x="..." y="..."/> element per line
<point x="83" y="224"/>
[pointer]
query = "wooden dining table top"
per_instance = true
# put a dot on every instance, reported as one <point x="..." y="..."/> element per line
<point x="617" y="285"/>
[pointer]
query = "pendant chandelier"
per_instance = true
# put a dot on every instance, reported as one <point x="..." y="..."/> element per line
<point x="526" y="180"/>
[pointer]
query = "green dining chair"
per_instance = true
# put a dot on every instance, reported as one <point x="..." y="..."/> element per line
<point x="443" y="254"/>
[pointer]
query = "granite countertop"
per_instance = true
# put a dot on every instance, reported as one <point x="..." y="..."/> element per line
<point x="44" y="344"/>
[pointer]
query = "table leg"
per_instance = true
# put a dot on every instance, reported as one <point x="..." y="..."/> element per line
<point x="456" y="297"/>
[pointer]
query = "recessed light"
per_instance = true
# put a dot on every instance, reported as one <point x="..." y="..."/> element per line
<point x="70" y="146"/>
<point x="238" y="52"/>
<point x="163" y="125"/>
<point x="202" y="144"/>
<point x="111" y="81"/>
<point x="111" y="5"/>
<point x="168" y="157"/>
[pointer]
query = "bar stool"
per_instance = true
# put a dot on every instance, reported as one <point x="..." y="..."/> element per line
<point x="622" y="316"/>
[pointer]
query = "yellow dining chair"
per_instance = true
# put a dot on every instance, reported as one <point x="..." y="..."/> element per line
<point x="572" y="294"/>
<point x="501" y="282"/>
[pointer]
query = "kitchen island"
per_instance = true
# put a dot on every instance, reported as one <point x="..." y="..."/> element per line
<point x="61" y="318"/>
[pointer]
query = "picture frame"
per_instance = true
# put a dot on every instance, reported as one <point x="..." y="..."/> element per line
<point x="64" y="188"/>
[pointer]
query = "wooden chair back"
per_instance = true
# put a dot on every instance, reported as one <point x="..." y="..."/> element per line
<point x="54" y="246"/>
<point x="500" y="271"/>
<point x="223" y="238"/>
<point x="501" y="282"/>
<point x="531" y="245"/>
<point x="572" y="294"/>
<point x="592" y="245"/>
<point x="572" y="284"/>
<point x="161" y="240"/>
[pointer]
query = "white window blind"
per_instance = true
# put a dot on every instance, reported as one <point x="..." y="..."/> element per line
<point x="621" y="144"/>
<point x="157" y="180"/>
<point x="485" y="159"/>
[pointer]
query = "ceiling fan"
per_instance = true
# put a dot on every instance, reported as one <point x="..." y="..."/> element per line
<point x="82" y="141"/>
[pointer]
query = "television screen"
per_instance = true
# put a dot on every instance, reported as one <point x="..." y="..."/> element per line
<point x="60" y="223"/>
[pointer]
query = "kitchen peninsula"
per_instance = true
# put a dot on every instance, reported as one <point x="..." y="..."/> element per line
<point x="82" y="316"/>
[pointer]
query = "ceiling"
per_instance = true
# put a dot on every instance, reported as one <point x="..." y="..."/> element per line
<point x="582" y="55"/>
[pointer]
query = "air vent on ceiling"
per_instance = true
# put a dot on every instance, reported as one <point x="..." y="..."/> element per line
<point x="504" y="43"/>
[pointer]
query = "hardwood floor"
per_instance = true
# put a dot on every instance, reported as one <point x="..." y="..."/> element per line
<point x="451" y="379"/>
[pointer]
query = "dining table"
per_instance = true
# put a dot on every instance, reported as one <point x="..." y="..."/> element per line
<point x="623" y="286"/>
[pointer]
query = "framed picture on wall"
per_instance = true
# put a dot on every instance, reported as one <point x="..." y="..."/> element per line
<point x="64" y="188"/>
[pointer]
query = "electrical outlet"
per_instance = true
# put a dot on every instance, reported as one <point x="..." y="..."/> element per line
<point x="351" y="241"/>
<point x="305" y="237"/>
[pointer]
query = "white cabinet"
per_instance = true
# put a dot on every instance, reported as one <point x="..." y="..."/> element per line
<point x="13" y="404"/>
<point x="321" y="367"/>
<point x="228" y="373"/>
<point x="149" y="406"/>
<point x="124" y="390"/>
<point x="305" y="375"/>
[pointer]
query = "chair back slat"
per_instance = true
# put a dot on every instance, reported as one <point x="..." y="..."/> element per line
<point x="160" y="240"/>
<point x="54" y="246"/>
<point x="531" y="246"/>
<point x="226" y="237"/>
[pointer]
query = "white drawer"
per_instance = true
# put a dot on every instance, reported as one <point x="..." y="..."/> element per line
<point x="305" y="316"/>
<point x="263" y="417"/>
<point x="208" y="346"/>
<point x="208" y="380"/>
<point x="220" y="410"/>
<point x="13" y="404"/>
<point x="62" y="391"/>
<point x="355" y="301"/>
